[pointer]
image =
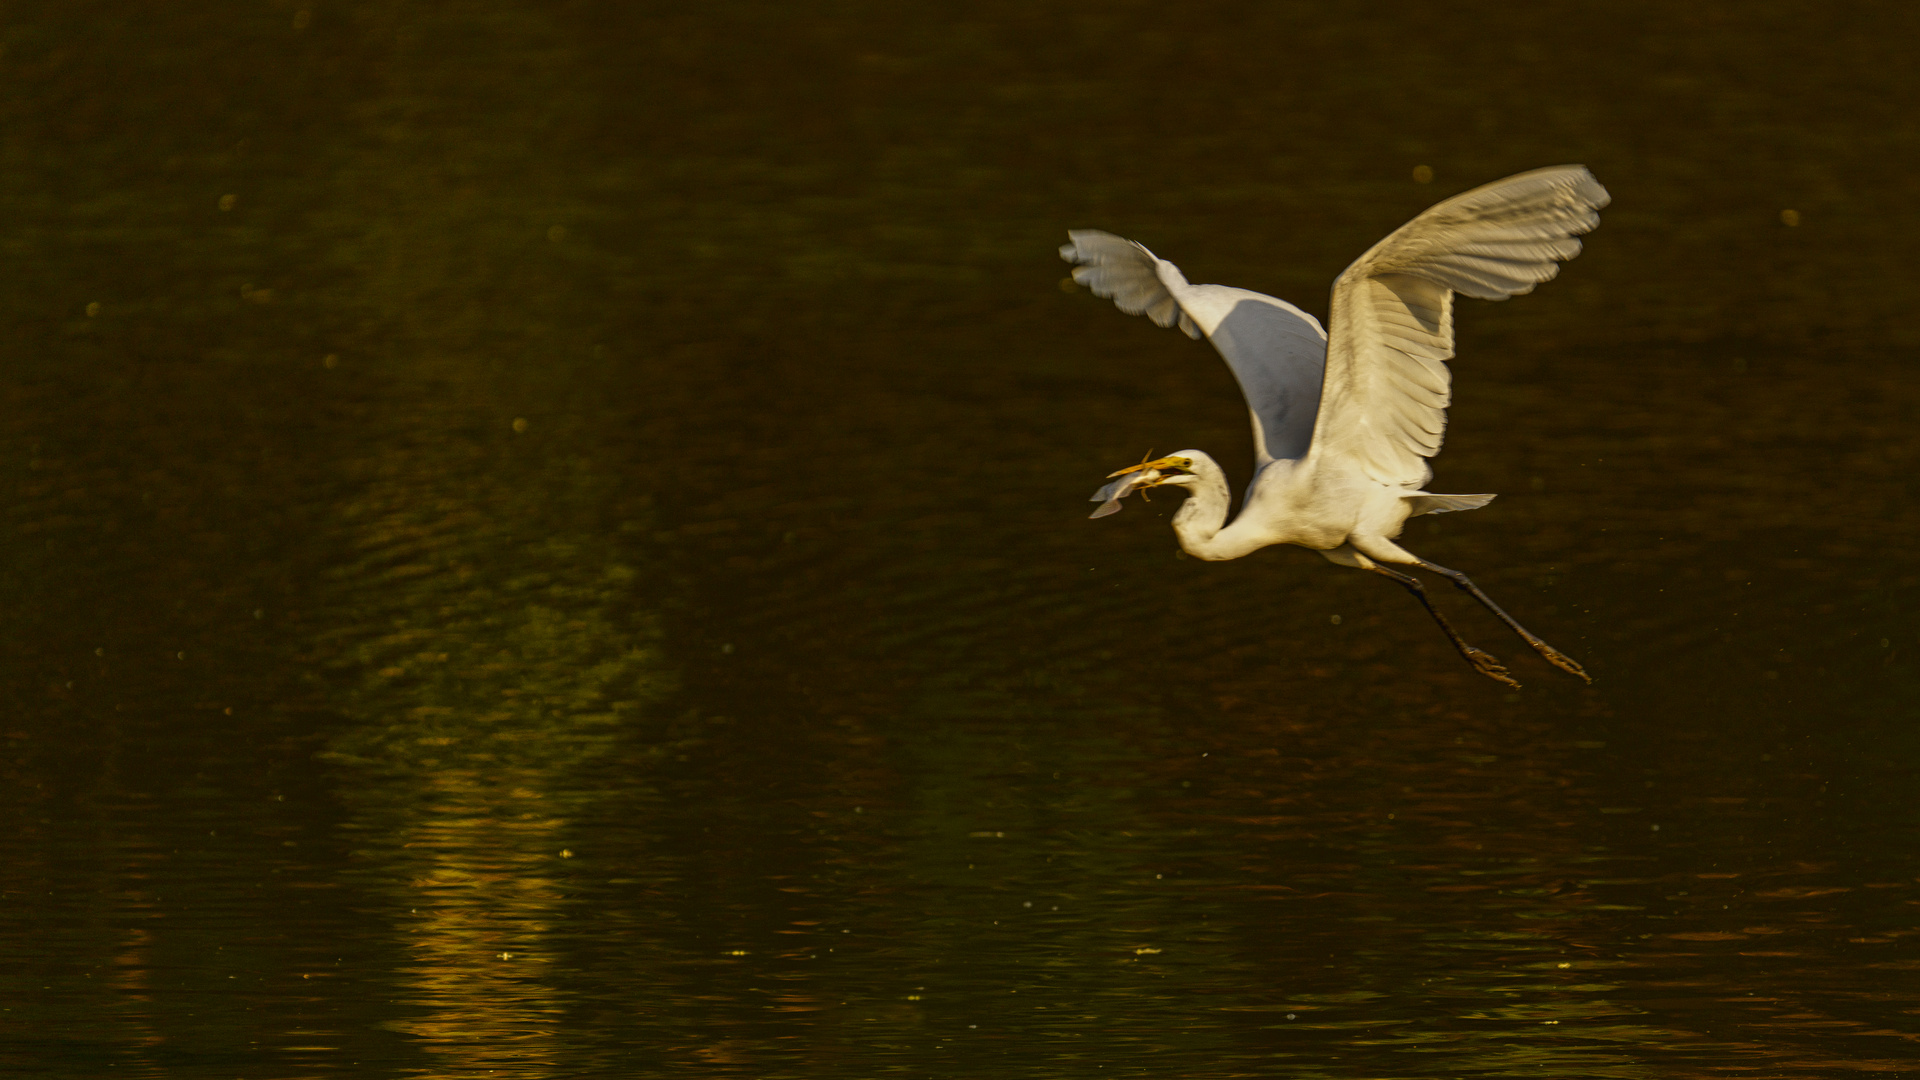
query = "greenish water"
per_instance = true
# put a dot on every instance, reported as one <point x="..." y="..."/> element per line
<point x="548" y="540"/>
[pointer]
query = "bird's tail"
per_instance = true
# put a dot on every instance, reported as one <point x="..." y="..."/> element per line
<point x="1426" y="503"/>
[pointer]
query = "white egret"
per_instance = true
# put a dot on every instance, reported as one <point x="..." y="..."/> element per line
<point x="1343" y="424"/>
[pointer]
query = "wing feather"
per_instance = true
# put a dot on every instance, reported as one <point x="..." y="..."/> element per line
<point x="1120" y="270"/>
<point x="1387" y="382"/>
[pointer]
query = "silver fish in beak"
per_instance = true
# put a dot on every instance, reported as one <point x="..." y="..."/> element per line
<point x="1131" y="479"/>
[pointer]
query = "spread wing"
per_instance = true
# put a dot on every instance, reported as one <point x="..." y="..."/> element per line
<point x="1387" y="384"/>
<point x="1277" y="352"/>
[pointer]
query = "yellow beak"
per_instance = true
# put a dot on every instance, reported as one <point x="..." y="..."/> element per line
<point x="1163" y="463"/>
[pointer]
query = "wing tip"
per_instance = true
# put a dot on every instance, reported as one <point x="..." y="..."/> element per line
<point x="1580" y="181"/>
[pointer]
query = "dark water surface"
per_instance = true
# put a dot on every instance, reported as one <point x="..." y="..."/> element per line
<point x="547" y="539"/>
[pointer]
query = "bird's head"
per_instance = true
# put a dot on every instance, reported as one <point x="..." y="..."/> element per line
<point x="1124" y="482"/>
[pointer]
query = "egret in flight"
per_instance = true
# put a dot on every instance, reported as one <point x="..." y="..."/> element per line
<point x="1343" y="423"/>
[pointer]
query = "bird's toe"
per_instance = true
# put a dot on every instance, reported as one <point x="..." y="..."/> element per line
<point x="1487" y="664"/>
<point x="1567" y="664"/>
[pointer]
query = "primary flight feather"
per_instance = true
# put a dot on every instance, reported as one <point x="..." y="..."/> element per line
<point x="1344" y="423"/>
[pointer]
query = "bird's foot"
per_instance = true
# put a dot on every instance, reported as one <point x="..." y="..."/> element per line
<point x="1487" y="664"/>
<point x="1562" y="661"/>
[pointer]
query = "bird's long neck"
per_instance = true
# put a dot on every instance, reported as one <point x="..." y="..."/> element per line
<point x="1200" y="520"/>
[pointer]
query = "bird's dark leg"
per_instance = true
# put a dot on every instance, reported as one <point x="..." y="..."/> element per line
<point x="1465" y="584"/>
<point x="1483" y="662"/>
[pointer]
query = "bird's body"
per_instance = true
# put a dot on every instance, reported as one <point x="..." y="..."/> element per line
<point x="1344" y="422"/>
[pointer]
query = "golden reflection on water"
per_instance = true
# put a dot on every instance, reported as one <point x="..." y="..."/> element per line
<point x="487" y="649"/>
<point x="473" y="723"/>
